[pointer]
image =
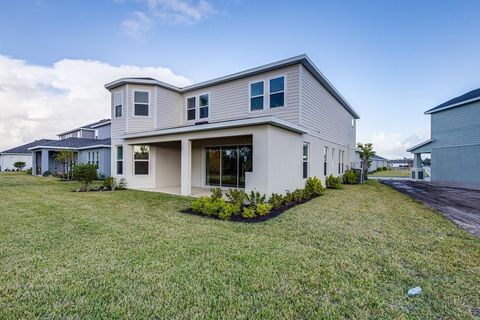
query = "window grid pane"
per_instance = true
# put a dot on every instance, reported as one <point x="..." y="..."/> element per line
<point x="141" y="109"/>
<point x="277" y="100"/>
<point x="256" y="103"/>
<point x="141" y="97"/>
<point x="277" y="84"/>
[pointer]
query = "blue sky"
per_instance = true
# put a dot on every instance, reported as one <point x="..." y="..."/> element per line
<point x="392" y="60"/>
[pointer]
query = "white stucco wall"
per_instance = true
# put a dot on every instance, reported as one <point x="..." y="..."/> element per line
<point x="7" y="161"/>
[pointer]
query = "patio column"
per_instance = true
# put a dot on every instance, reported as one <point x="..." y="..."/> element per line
<point x="45" y="161"/>
<point x="186" y="168"/>
<point x="417" y="170"/>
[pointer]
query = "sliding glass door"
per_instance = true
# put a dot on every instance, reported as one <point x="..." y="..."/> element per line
<point x="226" y="165"/>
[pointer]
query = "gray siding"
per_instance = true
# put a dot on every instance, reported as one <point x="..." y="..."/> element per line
<point x="456" y="126"/>
<point x="457" y="165"/>
<point x="231" y="100"/>
<point x="87" y="134"/>
<point x="140" y="123"/>
<point x="168" y="112"/>
<point x="104" y="132"/>
<point x="119" y="125"/>
<point x="103" y="159"/>
<point x="323" y="114"/>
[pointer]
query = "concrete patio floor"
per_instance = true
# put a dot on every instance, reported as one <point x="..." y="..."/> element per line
<point x="175" y="190"/>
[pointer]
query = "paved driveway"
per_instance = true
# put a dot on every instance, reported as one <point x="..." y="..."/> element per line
<point x="461" y="205"/>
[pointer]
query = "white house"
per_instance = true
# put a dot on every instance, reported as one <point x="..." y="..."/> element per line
<point x="377" y="162"/>
<point x="18" y="154"/>
<point x="265" y="129"/>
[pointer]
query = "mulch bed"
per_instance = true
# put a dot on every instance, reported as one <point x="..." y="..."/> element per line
<point x="238" y="218"/>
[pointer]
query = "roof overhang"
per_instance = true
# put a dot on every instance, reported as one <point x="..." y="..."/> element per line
<point x="101" y="124"/>
<point x="73" y="130"/>
<point x="16" y="153"/>
<point x="301" y="59"/>
<point x="423" y="144"/>
<point x="452" y="106"/>
<point x="70" y="148"/>
<point x="220" y="125"/>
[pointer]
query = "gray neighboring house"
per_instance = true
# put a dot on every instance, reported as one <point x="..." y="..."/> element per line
<point x="377" y="162"/>
<point x="455" y="142"/>
<point x="19" y="154"/>
<point x="91" y="143"/>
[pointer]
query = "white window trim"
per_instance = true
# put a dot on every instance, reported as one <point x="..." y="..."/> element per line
<point x="197" y="107"/>
<point x="266" y="93"/>
<point x="143" y="160"/>
<point x="117" y="160"/>
<point x="148" y="104"/>
<point x="118" y="93"/>
<point x="262" y="95"/>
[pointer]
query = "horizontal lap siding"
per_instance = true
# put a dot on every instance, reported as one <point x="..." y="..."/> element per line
<point x="457" y="126"/>
<point x="231" y="100"/>
<point x="168" y="108"/>
<point x="323" y="114"/>
<point x="119" y="124"/>
<point x="140" y="123"/>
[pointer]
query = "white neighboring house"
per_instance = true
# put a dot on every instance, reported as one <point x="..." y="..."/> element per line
<point x="377" y="162"/>
<point x="17" y="154"/>
<point x="266" y="129"/>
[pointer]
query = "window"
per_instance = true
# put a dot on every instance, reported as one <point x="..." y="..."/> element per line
<point x="141" y="157"/>
<point x="339" y="160"/>
<point x="140" y="102"/>
<point x="325" y="156"/>
<point x="191" y="105"/>
<point x="277" y="92"/>
<point x="203" y="111"/>
<point x="343" y="162"/>
<point x="119" y="159"/>
<point x="305" y="160"/>
<point x="333" y="160"/>
<point x="117" y="104"/>
<point x="353" y="122"/>
<point x="89" y="157"/>
<point x="256" y="95"/>
<point x="98" y="156"/>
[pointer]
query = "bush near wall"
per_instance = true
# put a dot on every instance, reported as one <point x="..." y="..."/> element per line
<point x="253" y="207"/>
<point x="333" y="182"/>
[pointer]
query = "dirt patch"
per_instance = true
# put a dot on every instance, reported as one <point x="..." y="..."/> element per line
<point x="458" y="204"/>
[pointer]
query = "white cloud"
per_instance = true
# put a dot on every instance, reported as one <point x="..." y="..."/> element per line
<point x="394" y="145"/>
<point x="39" y="102"/>
<point x="171" y="12"/>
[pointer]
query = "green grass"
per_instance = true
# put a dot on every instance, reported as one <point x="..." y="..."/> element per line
<point x="391" y="173"/>
<point x="352" y="253"/>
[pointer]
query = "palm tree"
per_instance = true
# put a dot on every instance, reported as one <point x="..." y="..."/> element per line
<point x="366" y="154"/>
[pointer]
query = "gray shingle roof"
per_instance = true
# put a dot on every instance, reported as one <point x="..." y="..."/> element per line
<point x="377" y="157"/>
<point x="74" y="143"/>
<point x="87" y="126"/>
<point x="24" y="148"/>
<point x="464" y="97"/>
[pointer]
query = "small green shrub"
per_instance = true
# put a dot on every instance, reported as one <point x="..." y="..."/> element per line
<point x="29" y="171"/>
<point x="229" y="210"/>
<point x="19" y="165"/>
<point x="350" y="177"/>
<point x="288" y="198"/>
<point x="248" y="213"/>
<point x="333" y="182"/>
<point x="109" y="183"/>
<point x="198" y="205"/>
<point x="263" y="209"/>
<point x="216" y="193"/>
<point x="385" y="168"/>
<point x="276" y="200"/>
<point x="299" y="195"/>
<point x="122" y="184"/>
<point x="313" y="187"/>
<point x="236" y="196"/>
<point x="214" y="207"/>
<point x="85" y="173"/>
<point x="256" y="198"/>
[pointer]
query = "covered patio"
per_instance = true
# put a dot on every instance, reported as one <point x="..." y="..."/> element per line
<point x="418" y="171"/>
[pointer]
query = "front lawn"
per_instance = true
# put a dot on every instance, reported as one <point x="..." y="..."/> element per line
<point x="391" y="173"/>
<point x="352" y="253"/>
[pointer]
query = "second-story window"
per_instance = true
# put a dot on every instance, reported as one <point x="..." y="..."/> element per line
<point x="118" y="104"/>
<point x="203" y="108"/>
<point x="256" y="95"/>
<point x="277" y="92"/>
<point x="140" y="103"/>
<point x="191" y="108"/>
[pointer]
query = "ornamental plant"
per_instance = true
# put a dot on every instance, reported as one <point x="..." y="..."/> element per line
<point x="85" y="173"/>
<point x="333" y="182"/>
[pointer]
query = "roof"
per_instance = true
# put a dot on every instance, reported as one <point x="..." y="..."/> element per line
<point x="24" y="148"/>
<point x="468" y="97"/>
<point x="220" y="125"/>
<point x="301" y="59"/>
<point x="73" y="144"/>
<point x="90" y="126"/>
<point x="400" y="160"/>
<point x="420" y="145"/>
<point x="376" y="157"/>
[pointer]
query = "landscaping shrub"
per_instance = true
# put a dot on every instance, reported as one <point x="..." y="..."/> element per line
<point x="299" y="195"/>
<point x="230" y="209"/>
<point x="236" y="196"/>
<point x="276" y="200"/>
<point x="122" y="184"/>
<point x="47" y="174"/>
<point x="19" y="165"/>
<point x="85" y="173"/>
<point x="110" y="183"/>
<point x="385" y="168"/>
<point x="198" y="205"/>
<point x="29" y="171"/>
<point x="256" y="198"/>
<point x="288" y="198"/>
<point x="248" y="213"/>
<point x="313" y="187"/>
<point x="214" y="206"/>
<point x="350" y="177"/>
<point x="216" y="193"/>
<point x="263" y="209"/>
<point x="333" y="182"/>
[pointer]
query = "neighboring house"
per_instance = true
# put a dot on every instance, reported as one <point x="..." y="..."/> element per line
<point x="91" y="144"/>
<point x="377" y="162"/>
<point x="265" y="129"/>
<point x="455" y="142"/>
<point x="18" y="154"/>
<point x="404" y="163"/>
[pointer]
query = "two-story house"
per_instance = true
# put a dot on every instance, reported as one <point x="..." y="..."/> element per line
<point x="455" y="142"/>
<point x="90" y="143"/>
<point x="265" y="129"/>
